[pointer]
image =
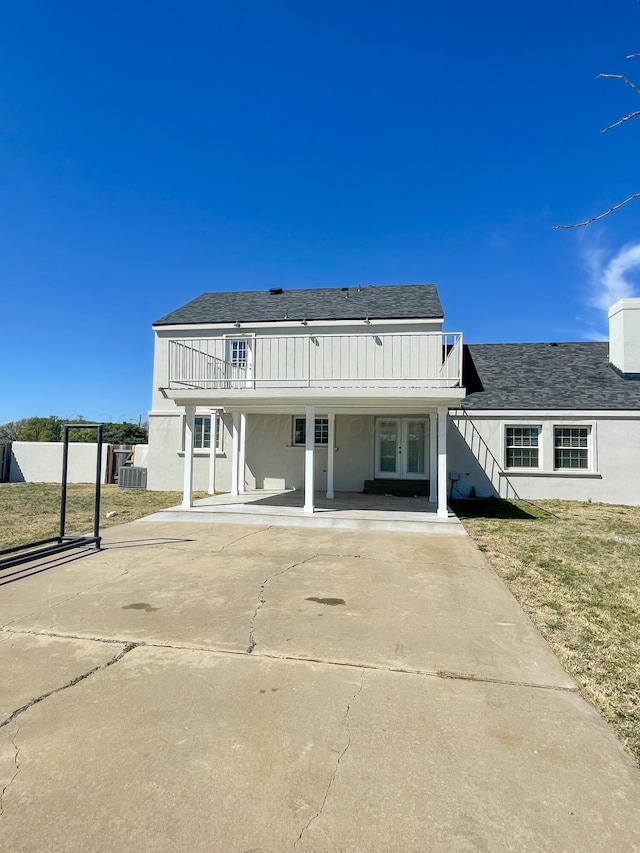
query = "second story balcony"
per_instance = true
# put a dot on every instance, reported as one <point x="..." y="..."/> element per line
<point x="417" y="360"/>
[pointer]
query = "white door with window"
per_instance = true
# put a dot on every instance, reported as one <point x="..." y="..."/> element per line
<point x="402" y="447"/>
<point x="239" y="361"/>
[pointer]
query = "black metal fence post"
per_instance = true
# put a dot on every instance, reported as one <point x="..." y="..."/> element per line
<point x="96" y="509"/>
<point x="65" y="467"/>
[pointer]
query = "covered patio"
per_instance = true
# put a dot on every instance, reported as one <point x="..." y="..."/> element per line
<point x="345" y="511"/>
<point x="433" y="410"/>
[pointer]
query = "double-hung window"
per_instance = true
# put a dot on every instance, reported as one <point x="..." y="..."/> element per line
<point x="523" y="446"/>
<point x="202" y="432"/>
<point x="321" y="430"/>
<point x="571" y="447"/>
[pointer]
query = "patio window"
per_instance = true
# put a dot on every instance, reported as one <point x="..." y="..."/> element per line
<point x="321" y="431"/>
<point x="202" y="432"/>
<point x="522" y="445"/>
<point x="571" y="447"/>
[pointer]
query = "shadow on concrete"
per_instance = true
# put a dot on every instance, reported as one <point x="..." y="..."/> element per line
<point x="37" y="566"/>
<point x="142" y="543"/>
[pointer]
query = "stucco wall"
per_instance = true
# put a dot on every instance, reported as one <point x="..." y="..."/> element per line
<point x="41" y="462"/>
<point x="272" y="460"/>
<point x="477" y="454"/>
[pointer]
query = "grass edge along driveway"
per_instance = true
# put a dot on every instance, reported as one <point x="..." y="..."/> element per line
<point x="575" y="570"/>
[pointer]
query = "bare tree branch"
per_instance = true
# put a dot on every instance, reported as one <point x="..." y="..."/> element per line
<point x="624" y="119"/>
<point x="623" y="78"/>
<point x="621" y="121"/>
<point x="601" y="216"/>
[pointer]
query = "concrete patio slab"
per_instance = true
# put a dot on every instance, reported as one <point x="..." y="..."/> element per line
<point x="33" y="665"/>
<point x="208" y="690"/>
<point x="184" y="750"/>
<point x="347" y="511"/>
<point x="267" y="589"/>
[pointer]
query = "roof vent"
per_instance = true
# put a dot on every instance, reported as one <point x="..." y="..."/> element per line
<point x="276" y="291"/>
<point x="553" y="345"/>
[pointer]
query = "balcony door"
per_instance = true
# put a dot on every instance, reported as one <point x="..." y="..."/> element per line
<point x="239" y="361"/>
<point x="402" y="446"/>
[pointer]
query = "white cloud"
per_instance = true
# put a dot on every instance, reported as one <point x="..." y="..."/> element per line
<point x="611" y="279"/>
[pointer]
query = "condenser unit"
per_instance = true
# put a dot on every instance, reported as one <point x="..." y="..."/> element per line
<point x="132" y="477"/>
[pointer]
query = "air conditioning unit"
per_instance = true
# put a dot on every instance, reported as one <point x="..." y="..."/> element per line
<point x="132" y="477"/>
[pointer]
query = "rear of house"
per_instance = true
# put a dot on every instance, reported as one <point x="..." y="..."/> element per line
<point x="352" y="389"/>
<point x="316" y="389"/>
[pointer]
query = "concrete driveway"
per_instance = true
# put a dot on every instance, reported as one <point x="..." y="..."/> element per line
<point x="212" y="687"/>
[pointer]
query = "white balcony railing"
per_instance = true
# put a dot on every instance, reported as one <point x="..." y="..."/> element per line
<point x="429" y="360"/>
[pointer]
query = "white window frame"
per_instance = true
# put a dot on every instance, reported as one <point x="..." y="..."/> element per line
<point x="588" y="447"/>
<point x="508" y="447"/>
<point x="200" y="449"/>
<point x="324" y="426"/>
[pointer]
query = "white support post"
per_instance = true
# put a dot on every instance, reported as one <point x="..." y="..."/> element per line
<point x="331" y="438"/>
<point x="234" y="452"/>
<point x="433" y="457"/>
<point x="242" y="452"/>
<point x="187" y="491"/>
<point x="212" y="452"/>
<point x="309" y="447"/>
<point x="443" y="414"/>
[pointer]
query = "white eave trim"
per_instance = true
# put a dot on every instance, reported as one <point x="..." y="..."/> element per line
<point x="294" y="324"/>
<point x="549" y="414"/>
<point x="405" y="399"/>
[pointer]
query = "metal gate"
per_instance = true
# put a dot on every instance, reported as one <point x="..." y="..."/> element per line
<point x="56" y="544"/>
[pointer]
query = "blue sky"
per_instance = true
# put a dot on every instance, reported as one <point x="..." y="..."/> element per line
<point x="153" y="151"/>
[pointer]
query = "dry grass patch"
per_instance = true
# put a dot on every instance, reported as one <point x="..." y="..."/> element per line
<point x="31" y="511"/>
<point x="575" y="569"/>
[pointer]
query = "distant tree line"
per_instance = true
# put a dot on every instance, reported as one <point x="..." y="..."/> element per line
<point x="51" y="429"/>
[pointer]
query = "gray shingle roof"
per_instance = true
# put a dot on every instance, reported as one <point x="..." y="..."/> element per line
<point x="386" y="302"/>
<point x="545" y="376"/>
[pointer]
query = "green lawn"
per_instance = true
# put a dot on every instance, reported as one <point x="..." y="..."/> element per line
<point x="575" y="569"/>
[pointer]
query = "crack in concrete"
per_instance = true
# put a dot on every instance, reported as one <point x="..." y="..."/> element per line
<point x="398" y="562"/>
<point x="78" y="678"/>
<point x="261" y="599"/>
<point x="372" y="667"/>
<point x="244" y="536"/>
<point x="53" y="634"/>
<point x="338" y="762"/>
<point x="13" y="778"/>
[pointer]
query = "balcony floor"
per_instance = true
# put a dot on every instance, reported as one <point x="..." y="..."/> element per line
<point x="347" y="511"/>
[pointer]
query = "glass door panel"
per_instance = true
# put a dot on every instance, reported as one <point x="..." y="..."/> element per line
<point x="387" y="450"/>
<point x="414" y="445"/>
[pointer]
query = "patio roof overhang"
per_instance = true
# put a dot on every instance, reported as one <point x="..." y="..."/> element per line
<point x="339" y="400"/>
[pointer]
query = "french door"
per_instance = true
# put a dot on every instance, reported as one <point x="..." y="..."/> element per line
<point x="402" y="447"/>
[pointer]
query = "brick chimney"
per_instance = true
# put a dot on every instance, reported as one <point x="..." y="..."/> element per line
<point x="624" y="337"/>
